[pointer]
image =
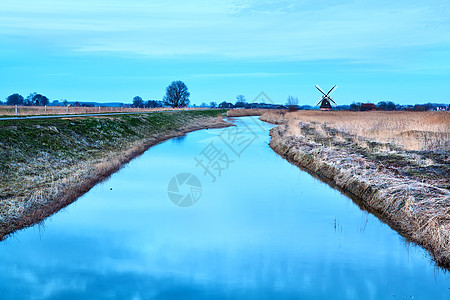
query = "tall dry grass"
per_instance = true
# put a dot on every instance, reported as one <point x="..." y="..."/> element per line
<point x="368" y="155"/>
<point x="408" y="130"/>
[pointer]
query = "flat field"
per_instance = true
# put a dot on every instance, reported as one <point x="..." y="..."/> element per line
<point x="429" y="131"/>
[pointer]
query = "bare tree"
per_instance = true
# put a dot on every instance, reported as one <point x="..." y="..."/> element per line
<point x="240" y="98"/>
<point x="240" y="101"/>
<point x="177" y="94"/>
<point x="292" y="101"/>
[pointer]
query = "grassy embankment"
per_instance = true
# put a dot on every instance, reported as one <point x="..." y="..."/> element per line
<point x="47" y="163"/>
<point x="396" y="163"/>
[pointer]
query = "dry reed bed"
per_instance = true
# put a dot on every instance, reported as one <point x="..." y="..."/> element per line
<point x="35" y="184"/>
<point x="409" y="130"/>
<point x="409" y="189"/>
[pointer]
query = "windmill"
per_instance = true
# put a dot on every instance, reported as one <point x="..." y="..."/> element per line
<point x="325" y="101"/>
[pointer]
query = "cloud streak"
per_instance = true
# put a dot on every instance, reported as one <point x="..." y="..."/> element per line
<point x="284" y="30"/>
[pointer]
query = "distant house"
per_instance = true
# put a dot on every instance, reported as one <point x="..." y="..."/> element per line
<point x="442" y="108"/>
<point x="368" y="106"/>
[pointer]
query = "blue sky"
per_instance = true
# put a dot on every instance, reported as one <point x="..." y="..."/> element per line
<point x="107" y="51"/>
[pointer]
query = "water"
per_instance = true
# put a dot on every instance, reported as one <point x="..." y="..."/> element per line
<point x="263" y="230"/>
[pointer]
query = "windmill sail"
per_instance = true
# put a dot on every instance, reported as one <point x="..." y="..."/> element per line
<point x="325" y="101"/>
<point x="320" y="90"/>
<point x="331" y="90"/>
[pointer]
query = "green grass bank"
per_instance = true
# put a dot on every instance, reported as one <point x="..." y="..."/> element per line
<point x="47" y="164"/>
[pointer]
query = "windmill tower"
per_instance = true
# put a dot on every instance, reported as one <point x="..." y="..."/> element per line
<point x="325" y="102"/>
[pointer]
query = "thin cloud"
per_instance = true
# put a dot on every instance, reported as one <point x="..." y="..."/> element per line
<point x="271" y="30"/>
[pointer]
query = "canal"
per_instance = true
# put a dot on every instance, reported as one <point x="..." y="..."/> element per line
<point x="215" y="215"/>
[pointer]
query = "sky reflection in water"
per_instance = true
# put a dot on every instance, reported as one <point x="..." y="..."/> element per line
<point x="264" y="229"/>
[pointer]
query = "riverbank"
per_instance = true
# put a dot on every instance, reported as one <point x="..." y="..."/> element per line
<point x="246" y="112"/>
<point x="409" y="189"/>
<point x="48" y="163"/>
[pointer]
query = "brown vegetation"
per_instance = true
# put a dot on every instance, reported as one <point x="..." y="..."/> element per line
<point x="368" y="154"/>
<point x="409" y="130"/>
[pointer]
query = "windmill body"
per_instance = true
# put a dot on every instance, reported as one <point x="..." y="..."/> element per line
<point x="325" y="102"/>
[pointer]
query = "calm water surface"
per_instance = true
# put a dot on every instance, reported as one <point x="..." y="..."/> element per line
<point x="262" y="230"/>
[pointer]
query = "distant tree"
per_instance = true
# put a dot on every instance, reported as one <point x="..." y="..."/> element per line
<point x="240" y="98"/>
<point x="383" y="105"/>
<point x="225" y="104"/>
<point x="14" y="99"/>
<point x="65" y="102"/>
<point x="55" y="103"/>
<point x="154" y="103"/>
<point x="342" y="107"/>
<point x="390" y="105"/>
<point x="291" y="100"/>
<point x="203" y="104"/>
<point x="138" y="102"/>
<point x="428" y="106"/>
<point x="355" y="106"/>
<point x="39" y="100"/>
<point x="29" y="99"/>
<point x="240" y="101"/>
<point x="212" y="104"/>
<point x="177" y="94"/>
<point x="44" y="101"/>
<point x="292" y="103"/>
<point x="419" y="107"/>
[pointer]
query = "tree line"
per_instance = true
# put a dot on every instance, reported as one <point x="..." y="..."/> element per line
<point x="177" y="95"/>
<point x="33" y="99"/>
<point x="391" y="106"/>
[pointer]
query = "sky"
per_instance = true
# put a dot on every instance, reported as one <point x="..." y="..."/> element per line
<point x="111" y="51"/>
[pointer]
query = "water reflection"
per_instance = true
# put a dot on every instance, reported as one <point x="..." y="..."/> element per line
<point x="263" y="229"/>
<point x="178" y="139"/>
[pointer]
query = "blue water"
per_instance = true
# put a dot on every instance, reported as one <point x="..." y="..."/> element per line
<point x="260" y="229"/>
